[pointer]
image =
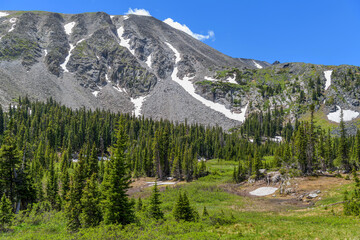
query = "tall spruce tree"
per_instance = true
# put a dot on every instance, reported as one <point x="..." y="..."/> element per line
<point x="6" y="213"/>
<point x="90" y="202"/>
<point x="343" y="148"/>
<point x="9" y="164"/>
<point x="154" y="207"/>
<point x="182" y="209"/>
<point x="117" y="209"/>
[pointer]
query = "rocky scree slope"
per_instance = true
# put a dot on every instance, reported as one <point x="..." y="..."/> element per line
<point x="141" y="65"/>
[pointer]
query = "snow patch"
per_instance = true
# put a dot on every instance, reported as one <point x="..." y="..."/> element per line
<point x="119" y="89"/>
<point x="257" y="65"/>
<point x="276" y="139"/>
<point x="138" y="102"/>
<point x="189" y="87"/>
<point x="232" y="79"/>
<point x="263" y="191"/>
<point x="140" y="12"/>
<point x="45" y="52"/>
<point x="148" y="61"/>
<point x="185" y="29"/>
<point x="348" y="115"/>
<point x="123" y="42"/>
<point x="328" y="78"/>
<point x="112" y="16"/>
<point x="210" y="79"/>
<point x="107" y="78"/>
<point x="126" y="18"/>
<point x="63" y="66"/>
<point x="160" y="183"/>
<point x="95" y="93"/>
<point x="3" y="14"/>
<point x="13" y="21"/>
<point x="68" y="27"/>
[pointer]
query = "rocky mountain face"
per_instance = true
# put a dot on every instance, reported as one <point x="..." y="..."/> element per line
<point x="141" y="65"/>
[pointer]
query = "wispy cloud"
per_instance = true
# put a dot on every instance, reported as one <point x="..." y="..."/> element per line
<point x="141" y="12"/>
<point x="184" y="28"/>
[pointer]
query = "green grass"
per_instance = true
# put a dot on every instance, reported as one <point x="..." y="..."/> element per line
<point x="230" y="217"/>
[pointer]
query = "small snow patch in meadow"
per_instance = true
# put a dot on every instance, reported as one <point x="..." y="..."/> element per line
<point x="160" y="183"/>
<point x="188" y="86"/>
<point x="276" y="139"/>
<point x="96" y="93"/>
<point x="124" y="42"/>
<point x="138" y="102"/>
<point x="263" y="191"/>
<point x="148" y="61"/>
<point x="257" y="65"/>
<point x="46" y="52"/>
<point x="3" y="14"/>
<point x="68" y="27"/>
<point x="348" y="115"/>
<point x="328" y="78"/>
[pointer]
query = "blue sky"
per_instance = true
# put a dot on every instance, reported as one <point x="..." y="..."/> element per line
<point x="317" y="31"/>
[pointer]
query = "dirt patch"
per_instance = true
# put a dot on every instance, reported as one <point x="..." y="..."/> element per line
<point x="283" y="202"/>
<point x="141" y="187"/>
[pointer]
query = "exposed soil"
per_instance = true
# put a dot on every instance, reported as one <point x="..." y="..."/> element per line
<point x="281" y="202"/>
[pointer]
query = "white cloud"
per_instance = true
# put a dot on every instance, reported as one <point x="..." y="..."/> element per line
<point x="184" y="28"/>
<point x="141" y="12"/>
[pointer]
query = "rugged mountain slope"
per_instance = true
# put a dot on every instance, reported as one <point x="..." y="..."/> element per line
<point x="142" y="65"/>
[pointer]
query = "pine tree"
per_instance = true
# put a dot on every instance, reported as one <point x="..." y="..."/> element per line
<point x="205" y="212"/>
<point x="1" y="121"/>
<point x="343" y="149"/>
<point x="93" y="164"/>
<point x="9" y="163"/>
<point x="182" y="209"/>
<point x="73" y="206"/>
<point x="90" y="202"/>
<point x="154" y="207"/>
<point x="52" y="187"/>
<point x="6" y="214"/>
<point x="257" y="165"/>
<point x="139" y="206"/>
<point x="117" y="209"/>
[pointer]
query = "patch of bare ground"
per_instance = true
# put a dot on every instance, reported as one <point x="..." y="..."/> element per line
<point x="141" y="187"/>
<point x="282" y="202"/>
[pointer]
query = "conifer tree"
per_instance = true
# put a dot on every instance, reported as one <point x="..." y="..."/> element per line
<point x="182" y="209"/>
<point x="6" y="214"/>
<point x="343" y="149"/>
<point x="257" y="165"/>
<point x="117" y="209"/>
<point x="52" y="187"/>
<point x="90" y="202"/>
<point x="139" y="206"/>
<point x="154" y="207"/>
<point x="73" y="206"/>
<point x="205" y="212"/>
<point x="9" y="163"/>
<point x="1" y="121"/>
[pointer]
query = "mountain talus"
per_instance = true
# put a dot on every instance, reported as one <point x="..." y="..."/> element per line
<point x="138" y="64"/>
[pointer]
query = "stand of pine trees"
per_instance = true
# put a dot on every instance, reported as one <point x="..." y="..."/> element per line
<point x="82" y="161"/>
